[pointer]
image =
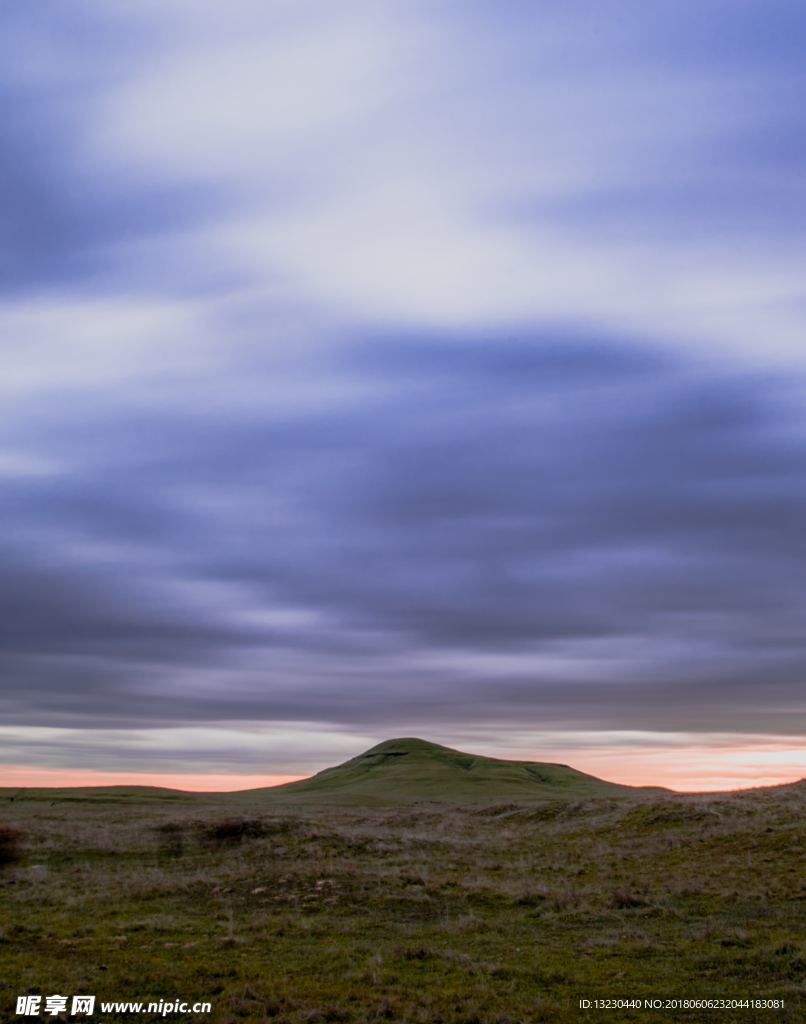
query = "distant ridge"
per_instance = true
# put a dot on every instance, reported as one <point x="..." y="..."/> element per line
<point x="408" y="770"/>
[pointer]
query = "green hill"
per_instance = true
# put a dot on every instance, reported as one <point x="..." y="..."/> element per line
<point x="409" y="770"/>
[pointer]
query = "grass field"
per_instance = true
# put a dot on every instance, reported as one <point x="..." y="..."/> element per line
<point x="439" y="914"/>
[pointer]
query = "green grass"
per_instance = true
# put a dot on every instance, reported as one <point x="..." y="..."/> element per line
<point x="409" y="770"/>
<point x="501" y="913"/>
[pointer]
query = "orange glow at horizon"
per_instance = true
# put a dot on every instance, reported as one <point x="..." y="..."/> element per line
<point x="690" y="770"/>
<point x="25" y="777"/>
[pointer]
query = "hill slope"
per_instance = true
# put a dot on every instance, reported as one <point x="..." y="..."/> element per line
<point x="408" y="770"/>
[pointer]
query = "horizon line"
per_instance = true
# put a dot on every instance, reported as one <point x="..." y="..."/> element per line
<point x="223" y="783"/>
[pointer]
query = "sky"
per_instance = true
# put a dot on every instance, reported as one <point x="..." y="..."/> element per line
<point x="402" y="368"/>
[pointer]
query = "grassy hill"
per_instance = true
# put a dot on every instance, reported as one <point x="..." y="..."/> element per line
<point x="409" y="770"/>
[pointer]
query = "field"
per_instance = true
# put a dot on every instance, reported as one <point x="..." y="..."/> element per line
<point x="437" y="914"/>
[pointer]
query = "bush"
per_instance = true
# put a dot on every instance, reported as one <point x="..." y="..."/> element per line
<point x="234" y="830"/>
<point x="10" y="845"/>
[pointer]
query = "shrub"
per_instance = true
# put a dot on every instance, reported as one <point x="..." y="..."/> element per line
<point x="234" y="830"/>
<point x="10" y="845"/>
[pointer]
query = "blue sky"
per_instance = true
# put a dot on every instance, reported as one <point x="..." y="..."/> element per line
<point x="388" y="368"/>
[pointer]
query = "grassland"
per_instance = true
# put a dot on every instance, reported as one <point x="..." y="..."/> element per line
<point x="496" y="913"/>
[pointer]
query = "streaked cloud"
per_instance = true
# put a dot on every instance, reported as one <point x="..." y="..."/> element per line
<point x="399" y="369"/>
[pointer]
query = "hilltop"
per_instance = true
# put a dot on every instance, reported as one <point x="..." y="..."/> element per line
<point x="408" y="770"/>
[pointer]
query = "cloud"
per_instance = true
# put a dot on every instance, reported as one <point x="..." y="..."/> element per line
<point x="516" y="528"/>
<point x="387" y="366"/>
<point x="400" y="165"/>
